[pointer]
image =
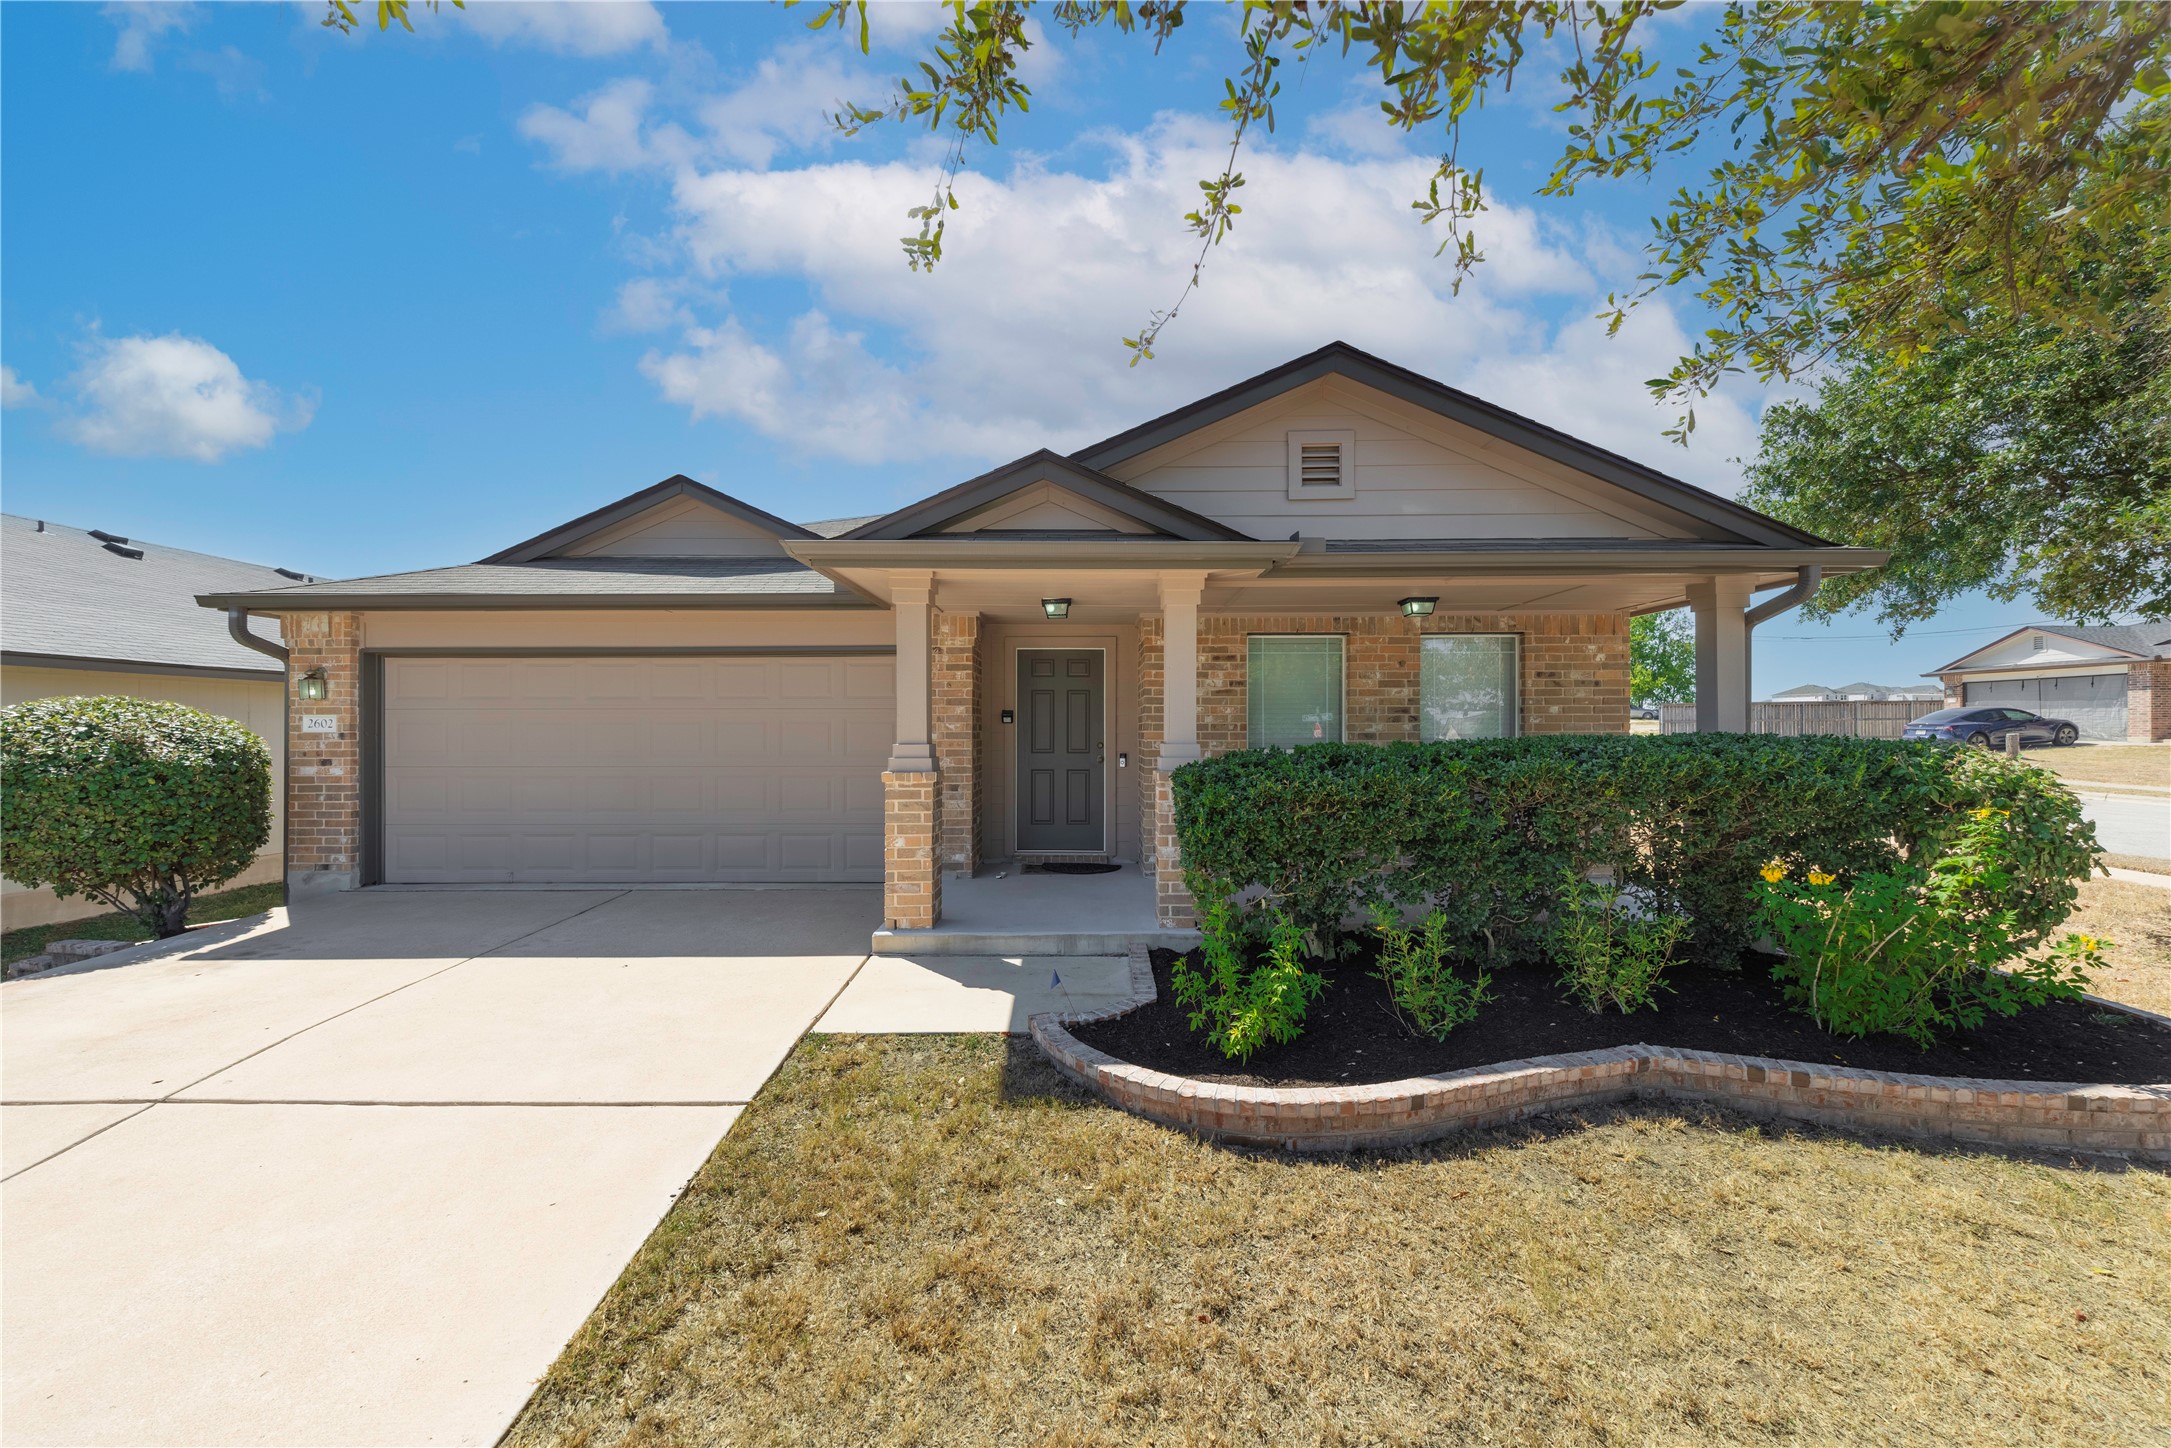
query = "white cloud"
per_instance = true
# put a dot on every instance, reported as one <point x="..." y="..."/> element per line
<point x="570" y="27"/>
<point x="14" y="392"/>
<point x="174" y="396"/>
<point x="609" y="133"/>
<point x="785" y="105"/>
<point x="140" y="24"/>
<point x="648" y="304"/>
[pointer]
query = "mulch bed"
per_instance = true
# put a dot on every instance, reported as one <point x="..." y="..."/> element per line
<point x="1351" y="1037"/>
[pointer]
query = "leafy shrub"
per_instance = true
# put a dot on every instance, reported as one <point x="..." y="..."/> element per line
<point x="1429" y="998"/>
<point x="135" y="802"/>
<point x="1610" y="954"/>
<point x="1924" y="948"/>
<point x="1241" y="1005"/>
<point x="1485" y="830"/>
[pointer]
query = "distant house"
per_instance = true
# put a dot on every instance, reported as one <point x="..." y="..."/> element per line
<point x="1871" y="693"/>
<point x="2113" y="680"/>
<point x="95" y="613"/>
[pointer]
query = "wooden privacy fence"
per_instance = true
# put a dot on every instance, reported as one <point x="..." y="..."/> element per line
<point x="1860" y="718"/>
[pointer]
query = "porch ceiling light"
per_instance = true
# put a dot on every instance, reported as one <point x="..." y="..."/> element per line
<point x="1055" y="607"/>
<point x="1418" y="607"/>
<point x="311" y="686"/>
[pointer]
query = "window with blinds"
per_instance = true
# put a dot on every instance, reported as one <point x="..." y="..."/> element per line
<point x="1295" y="686"/>
<point x="1466" y="686"/>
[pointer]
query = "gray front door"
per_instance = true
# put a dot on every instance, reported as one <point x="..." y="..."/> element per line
<point x="1060" y="752"/>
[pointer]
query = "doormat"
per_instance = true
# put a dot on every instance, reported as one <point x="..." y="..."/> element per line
<point x="1062" y="868"/>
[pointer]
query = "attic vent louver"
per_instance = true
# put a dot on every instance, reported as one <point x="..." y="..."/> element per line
<point x="290" y="573"/>
<point x="124" y="552"/>
<point x="1322" y="465"/>
<point x="104" y="537"/>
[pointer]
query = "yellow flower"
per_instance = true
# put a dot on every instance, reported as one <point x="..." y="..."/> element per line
<point x="2088" y="942"/>
<point x="1983" y="814"/>
<point x="1818" y="877"/>
<point x="1774" y="872"/>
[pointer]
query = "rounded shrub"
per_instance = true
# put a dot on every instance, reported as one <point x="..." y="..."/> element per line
<point x="135" y="802"/>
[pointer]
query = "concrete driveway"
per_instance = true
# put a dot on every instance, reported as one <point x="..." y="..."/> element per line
<point x="357" y="1180"/>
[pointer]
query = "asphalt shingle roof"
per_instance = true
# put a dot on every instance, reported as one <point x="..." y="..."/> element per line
<point x="574" y="578"/>
<point x="64" y="593"/>
<point x="2150" y="640"/>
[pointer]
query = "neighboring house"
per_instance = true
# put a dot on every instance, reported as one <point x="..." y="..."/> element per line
<point x="1856" y="693"/>
<point x="95" y="613"/>
<point x="682" y="687"/>
<point x="2114" y="681"/>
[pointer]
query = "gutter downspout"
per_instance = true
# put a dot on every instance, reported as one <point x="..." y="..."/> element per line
<point x="1807" y="580"/>
<point x="237" y="626"/>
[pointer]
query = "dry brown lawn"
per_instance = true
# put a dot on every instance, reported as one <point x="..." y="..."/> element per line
<point x="2136" y="919"/>
<point x="935" y="1240"/>
<point x="2146" y="764"/>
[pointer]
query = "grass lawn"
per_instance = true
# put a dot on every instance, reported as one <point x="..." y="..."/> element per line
<point x="2137" y="920"/>
<point x="203" y="910"/>
<point x="936" y="1240"/>
<point x="2108" y="763"/>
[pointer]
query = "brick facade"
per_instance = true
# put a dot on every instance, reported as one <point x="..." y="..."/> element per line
<point x="1574" y="671"/>
<point x="2148" y="701"/>
<point x="911" y="873"/>
<point x="324" y="771"/>
<point x="954" y="704"/>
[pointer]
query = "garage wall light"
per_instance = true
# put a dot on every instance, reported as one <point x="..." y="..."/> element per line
<point x="311" y="686"/>
<point x="1419" y="607"/>
<point x="1055" y="607"/>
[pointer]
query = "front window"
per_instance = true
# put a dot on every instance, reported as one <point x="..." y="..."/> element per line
<point x="1295" y="683"/>
<point x="1466" y="686"/>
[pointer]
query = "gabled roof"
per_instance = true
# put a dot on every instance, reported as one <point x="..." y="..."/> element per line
<point x="1339" y="359"/>
<point x="2147" y="640"/>
<point x="929" y="515"/>
<point x="678" y="485"/>
<point x="70" y="598"/>
<point x="567" y="583"/>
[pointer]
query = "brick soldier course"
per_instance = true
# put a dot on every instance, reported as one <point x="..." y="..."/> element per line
<point x="2129" y="1121"/>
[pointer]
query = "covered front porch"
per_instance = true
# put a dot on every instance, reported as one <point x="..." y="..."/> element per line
<point x="1042" y="707"/>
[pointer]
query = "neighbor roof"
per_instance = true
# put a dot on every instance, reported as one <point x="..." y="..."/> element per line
<point x="1339" y="359"/>
<point x="2147" y="640"/>
<point x="66" y="596"/>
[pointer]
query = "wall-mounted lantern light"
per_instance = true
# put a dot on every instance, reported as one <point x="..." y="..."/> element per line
<point x="311" y="686"/>
<point x="1055" y="607"/>
<point x="1418" y="607"/>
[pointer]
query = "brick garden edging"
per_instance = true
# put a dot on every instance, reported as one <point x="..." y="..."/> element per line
<point x="2130" y="1121"/>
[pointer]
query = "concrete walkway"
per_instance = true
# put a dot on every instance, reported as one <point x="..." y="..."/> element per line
<point x="2128" y="825"/>
<point x="358" y="1180"/>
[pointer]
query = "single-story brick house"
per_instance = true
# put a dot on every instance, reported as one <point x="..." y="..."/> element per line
<point x="680" y="687"/>
<point x="2113" y="680"/>
<point x="88" y="611"/>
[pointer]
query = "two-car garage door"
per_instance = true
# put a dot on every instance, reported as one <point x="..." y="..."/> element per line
<point x="2096" y="703"/>
<point x="635" y="770"/>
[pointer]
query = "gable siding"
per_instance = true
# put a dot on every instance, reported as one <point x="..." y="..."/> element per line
<point x="1413" y="479"/>
<point x="2021" y="653"/>
<point x="680" y="528"/>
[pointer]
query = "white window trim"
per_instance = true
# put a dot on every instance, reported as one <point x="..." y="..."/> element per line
<point x="1343" y="438"/>
<point x="1341" y="703"/>
<point x="1515" y="723"/>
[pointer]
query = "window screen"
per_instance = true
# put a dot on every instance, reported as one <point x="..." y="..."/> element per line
<point x="1296" y="690"/>
<point x="1466" y="686"/>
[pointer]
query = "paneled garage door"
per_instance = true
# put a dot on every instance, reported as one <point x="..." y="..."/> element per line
<point x="2095" y="702"/>
<point x="631" y="770"/>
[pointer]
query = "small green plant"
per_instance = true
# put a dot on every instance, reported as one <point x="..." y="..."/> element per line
<point x="1923" y="949"/>
<point x="1240" y="1005"/>
<point x="1429" y="998"/>
<point x="1610" y="954"/>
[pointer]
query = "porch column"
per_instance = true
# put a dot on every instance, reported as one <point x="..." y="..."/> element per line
<point x="954" y="701"/>
<point x="1180" y="595"/>
<point x="323" y="812"/>
<point x="911" y="869"/>
<point x="1720" y="605"/>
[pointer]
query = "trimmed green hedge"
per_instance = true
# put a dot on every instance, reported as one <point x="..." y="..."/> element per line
<point x="1487" y="830"/>
<point x="136" y="802"/>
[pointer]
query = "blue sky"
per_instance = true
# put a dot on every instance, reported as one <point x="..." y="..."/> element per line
<point x="360" y="304"/>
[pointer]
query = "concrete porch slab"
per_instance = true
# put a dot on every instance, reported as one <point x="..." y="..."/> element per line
<point x="943" y="993"/>
<point x="1004" y="911"/>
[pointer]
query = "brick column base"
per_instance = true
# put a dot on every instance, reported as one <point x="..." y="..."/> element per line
<point x="324" y="774"/>
<point x="911" y="873"/>
<point x="1173" y="905"/>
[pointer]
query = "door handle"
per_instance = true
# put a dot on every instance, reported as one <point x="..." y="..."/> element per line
<point x="1100" y="752"/>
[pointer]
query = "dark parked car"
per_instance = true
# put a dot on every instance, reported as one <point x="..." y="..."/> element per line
<point x="1988" y="727"/>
